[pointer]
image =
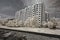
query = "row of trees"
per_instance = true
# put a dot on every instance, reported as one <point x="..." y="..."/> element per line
<point x="30" y="22"/>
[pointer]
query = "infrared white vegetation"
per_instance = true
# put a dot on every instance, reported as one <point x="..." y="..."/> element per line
<point x="31" y="22"/>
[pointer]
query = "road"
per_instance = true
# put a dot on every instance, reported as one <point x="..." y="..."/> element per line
<point x="16" y="34"/>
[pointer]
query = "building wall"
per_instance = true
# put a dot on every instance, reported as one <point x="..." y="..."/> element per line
<point x="17" y="14"/>
<point x="47" y="18"/>
<point x="39" y="11"/>
<point x="33" y="10"/>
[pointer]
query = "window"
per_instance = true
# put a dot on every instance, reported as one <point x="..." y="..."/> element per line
<point x="39" y="22"/>
<point x="39" y="9"/>
<point x="33" y="15"/>
<point x="37" y="5"/>
<point x="39" y="16"/>
<point x="39" y="12"/>
<point x="36" y="12"/>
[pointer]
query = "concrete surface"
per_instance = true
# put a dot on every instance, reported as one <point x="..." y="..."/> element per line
<point x="35" y="30"/>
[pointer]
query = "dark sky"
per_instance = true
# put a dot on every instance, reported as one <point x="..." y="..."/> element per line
<point x="9" y="7"/>
<point x="53" y="7"/>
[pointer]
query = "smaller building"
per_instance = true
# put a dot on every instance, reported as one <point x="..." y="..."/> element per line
<point x="47" y="18"/>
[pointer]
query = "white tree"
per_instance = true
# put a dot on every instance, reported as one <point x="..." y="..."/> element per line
<point x="20" y="23"/>
<point x="52" y="23"/>
<point x="44" y="24"/>
<point x="31" y="22"/>
<point x="27" y="22"/>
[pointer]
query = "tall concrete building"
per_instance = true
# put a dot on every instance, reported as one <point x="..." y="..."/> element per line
<point x="39" y="11"/>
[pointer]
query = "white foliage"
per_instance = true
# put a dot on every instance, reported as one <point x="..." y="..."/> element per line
<point x="3" y="22"/>
<point x="10" y="23"/>
<point x="27" y="22"/>
<point x="15" y="23"/>
<point x="20" y="23"/>
<point x="44" y="24"/>
<point x="50" y="24"/>
<point x="31" y="22"/>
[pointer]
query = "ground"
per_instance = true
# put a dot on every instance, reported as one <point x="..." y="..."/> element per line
<point x="15" y="36"/>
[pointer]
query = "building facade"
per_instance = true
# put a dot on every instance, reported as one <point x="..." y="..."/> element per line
<point x="37" y="10"/>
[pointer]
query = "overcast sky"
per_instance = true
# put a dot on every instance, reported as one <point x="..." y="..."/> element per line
<point x="9" y="7"/>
